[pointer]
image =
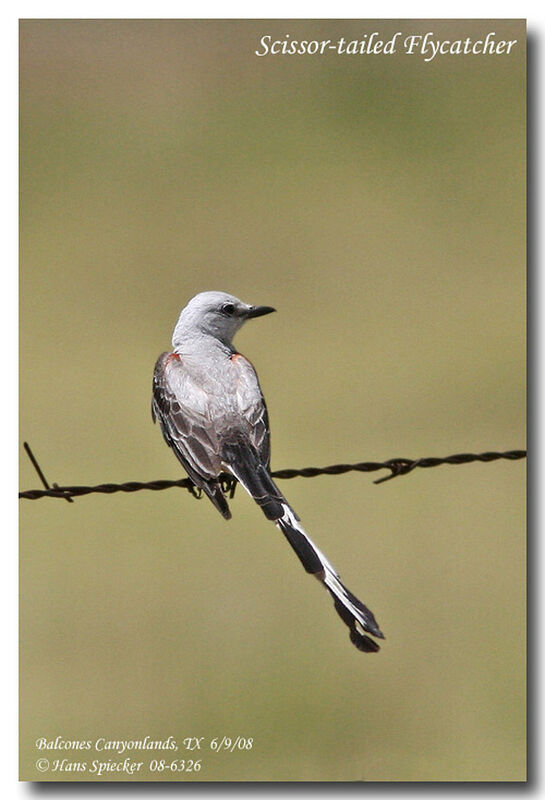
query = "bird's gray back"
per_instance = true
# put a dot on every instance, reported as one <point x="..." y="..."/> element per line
<point x="213" y="398"/>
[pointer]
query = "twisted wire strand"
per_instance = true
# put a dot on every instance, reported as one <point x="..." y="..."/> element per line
<point x="396" y="467"/>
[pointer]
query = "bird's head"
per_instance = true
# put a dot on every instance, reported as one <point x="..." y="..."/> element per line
<point x="216" y="314"/>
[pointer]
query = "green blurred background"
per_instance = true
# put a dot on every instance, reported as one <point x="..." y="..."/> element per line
<point x="378" y="203"/>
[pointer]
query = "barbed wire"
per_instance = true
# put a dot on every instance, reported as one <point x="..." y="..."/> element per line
<point x="396" y="466"/>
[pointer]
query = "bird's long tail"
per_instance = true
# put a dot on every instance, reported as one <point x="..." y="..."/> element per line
<point x="351" y="610"/>
<point x="258" y="483"/>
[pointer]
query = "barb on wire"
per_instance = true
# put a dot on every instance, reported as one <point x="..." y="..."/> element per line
<point x="396" y="466"/>
<point x="41" y="476"/>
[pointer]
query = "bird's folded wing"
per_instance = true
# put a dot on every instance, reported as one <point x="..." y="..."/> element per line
<point x="182" y="409"/>
<point x="251" y="407"/>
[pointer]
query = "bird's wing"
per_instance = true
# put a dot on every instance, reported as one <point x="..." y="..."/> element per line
<point x="252" y="408"/>
<point x="183" y="411"/>
<point x="245" y="447"/>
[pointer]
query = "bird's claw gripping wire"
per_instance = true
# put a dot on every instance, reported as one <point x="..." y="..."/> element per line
<point x="228" y="484"/>
<point x="196" y="491"/>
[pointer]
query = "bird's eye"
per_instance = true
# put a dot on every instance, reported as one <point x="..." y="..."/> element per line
<point x="228" y="308"/>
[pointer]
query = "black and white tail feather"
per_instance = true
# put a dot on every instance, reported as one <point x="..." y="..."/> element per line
<point x="260" y="486"/>
<point x="351" y="610"/>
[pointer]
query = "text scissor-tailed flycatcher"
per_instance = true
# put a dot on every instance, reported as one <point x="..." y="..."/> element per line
<point x="209" y="404"/>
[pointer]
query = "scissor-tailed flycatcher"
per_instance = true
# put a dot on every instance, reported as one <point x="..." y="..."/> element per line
<point x="208" y="401"/>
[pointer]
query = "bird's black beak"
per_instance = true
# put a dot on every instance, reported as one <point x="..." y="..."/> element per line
<point x="259" y="311"/>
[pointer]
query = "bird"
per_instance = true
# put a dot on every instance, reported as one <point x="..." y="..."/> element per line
<point x="212" y="414"/>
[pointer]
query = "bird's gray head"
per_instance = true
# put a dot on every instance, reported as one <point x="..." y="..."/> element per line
<point x="215" y="314"/>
